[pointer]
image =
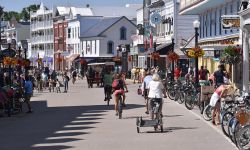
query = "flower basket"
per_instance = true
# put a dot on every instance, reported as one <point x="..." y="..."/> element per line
<point x="173" y="56"/>
<point x="195" y="52"/>
<point x="155" y="56"/>
<point x="7" y="61"/>
<point x="231" y="55"/>
<point x="39" y="61"/>
<point x="59" y="59"/>
<point x="83" y="61"/>
<point x="26" y="62"/>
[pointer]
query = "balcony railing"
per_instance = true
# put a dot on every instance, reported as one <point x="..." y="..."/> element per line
<point x="188" y="3"/>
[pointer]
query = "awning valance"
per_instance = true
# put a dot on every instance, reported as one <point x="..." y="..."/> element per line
<point x="72" y="57"/>
<point x="163" y="49"/>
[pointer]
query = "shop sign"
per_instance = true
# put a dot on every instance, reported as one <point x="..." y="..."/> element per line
<point x="209" y="54"/>
<point x="155" y="18"/>
<point x="229" y="22"/>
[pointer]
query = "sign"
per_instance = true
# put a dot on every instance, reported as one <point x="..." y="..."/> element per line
<point x="229" y="22"/>
<point x="156" y="18"/>
<point x="8" y="53"/>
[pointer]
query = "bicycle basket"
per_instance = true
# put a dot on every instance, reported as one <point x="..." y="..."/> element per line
<point x="243" y="117"/>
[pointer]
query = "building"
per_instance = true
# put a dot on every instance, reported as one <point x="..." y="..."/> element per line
<point x="60" y="26"/>
<point x="102" y="35"/>
<point x="213" y="38"/>
<point x="41" y="36"/>
<point x="159" y="35"/>
<point x="17" y="31"/>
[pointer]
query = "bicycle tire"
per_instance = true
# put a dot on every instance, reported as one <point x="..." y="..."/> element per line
<point x="241" y="138"/>
<point x="182" y="98"/>
<point x="189" y="103"/>
<point x="171" y="94"/>
<point x="225" y="117"/>
<point x="207" y="113"/>
<point x="120" y="107"/>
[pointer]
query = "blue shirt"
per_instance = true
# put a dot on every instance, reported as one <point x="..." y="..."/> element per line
<point x="28" y="87"/>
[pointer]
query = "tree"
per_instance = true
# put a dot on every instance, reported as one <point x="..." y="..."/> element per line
<point x="1" y="12"/>
<point x="8" y="15"/>
<point x="25" y="14"/>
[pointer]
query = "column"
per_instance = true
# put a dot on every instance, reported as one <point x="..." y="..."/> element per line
<point x="245" y="60"/>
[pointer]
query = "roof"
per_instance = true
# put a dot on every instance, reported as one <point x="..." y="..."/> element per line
<point x="81" y="11"/>
<point x="115" y="11"/>
<point x="63" y="10"/>
<point x="100" y="26"/>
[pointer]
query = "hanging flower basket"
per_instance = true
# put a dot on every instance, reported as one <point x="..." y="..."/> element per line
<point x="130" y="58"/>
<point x="59" y="59"/>
<point x="26" y="63"/>
<point x="39" y="61"/>
<point x="173" y="56"/>
<point x="7" y="61"/>
<point x="83" y="61"/>
<point x="195" y="52"/>
<point x="155" y="56"/>
<point x="231" y="55"/>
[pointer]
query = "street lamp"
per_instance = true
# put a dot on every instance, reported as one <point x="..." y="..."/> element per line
<point x="59" y="59"/>
<point x="172" y="38"/>
<point x="196" y="25"/>
<point x="244" y="3"/>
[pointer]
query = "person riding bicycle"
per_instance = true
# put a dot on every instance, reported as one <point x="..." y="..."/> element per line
<point x="144" y="87"/>
<point x="156" y="90"/>
<point x="119" y="85"/>
<point x="107" y="83"/>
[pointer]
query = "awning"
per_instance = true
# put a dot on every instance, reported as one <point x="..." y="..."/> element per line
<point x="72" y="57"/>
<point x="163" y="49"/>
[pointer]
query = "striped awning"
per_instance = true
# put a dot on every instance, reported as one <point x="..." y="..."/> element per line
<point x="72" y="57"/>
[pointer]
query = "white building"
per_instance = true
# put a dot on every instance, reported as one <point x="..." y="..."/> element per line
<point x="17" y="31"/>
<point x="99" y="41"/>
<point x="171" y="26"/>
<point x="41" y="35"/>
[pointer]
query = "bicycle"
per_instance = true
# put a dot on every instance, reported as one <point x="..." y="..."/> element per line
<point x="156" y="116"/>
<point x="120" y="104"/>
<point x="108" y="93"/>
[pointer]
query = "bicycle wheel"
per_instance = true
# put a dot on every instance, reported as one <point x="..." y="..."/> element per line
<point x="243" y="138"/>
<point x="225" y="117"/>
<point x="177" y="95"/>
<point x="189" y="102"/>
<point x="182" y="98"/>
<point x="207" y="113"/>
<point x="120" y="107"/>
<point x="171" y="93"/>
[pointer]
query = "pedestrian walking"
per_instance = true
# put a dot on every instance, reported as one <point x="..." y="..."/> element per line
<point x="66" y="82"/>
<point x="219" y="76"/>
<point x="28" y="91"/>
<point x="58" y="90"/>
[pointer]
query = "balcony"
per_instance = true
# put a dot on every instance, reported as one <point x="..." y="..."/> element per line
<point x="194" y="7"/>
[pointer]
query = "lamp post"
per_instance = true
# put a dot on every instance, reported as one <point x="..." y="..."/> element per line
<point x="172" y="69"/>
<point x="38" y="58"/>
<point x="25" y="47"/>
<point x="244" y="4"/>
<point x="196" y="25"/>
<point x="118" y="49"/>
<point x="59" y="59"/>
<point x="9" y="40"/>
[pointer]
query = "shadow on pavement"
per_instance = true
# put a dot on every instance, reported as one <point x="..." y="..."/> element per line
<point x="180" y="128"/>
<point x="51" y="128"/>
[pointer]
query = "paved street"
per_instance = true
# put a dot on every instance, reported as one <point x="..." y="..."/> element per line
<point x="80" y="120"/>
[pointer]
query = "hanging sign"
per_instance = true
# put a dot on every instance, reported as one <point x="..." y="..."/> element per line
<point x="156" y="18"/>
<point x="229" y="22"/>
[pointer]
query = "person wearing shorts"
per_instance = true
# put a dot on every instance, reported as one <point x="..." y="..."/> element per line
<point x="28" y="90"/>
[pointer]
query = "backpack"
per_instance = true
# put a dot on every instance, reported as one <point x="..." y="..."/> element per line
<point x="116" y="84"/>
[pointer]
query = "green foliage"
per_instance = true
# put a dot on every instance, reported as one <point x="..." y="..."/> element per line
<point x="231" y="55"/>
<point x="24" y="15"/>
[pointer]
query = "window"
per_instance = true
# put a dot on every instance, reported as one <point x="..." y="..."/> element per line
<point x="123" y="33"/>
<point x="220" y="21"/>
<point x="225" y="14"/>
<point x="110" y="47"/>
<point x="211" y="24"/>
<point x="215" y="22"/>
<point x="206" y="24"/>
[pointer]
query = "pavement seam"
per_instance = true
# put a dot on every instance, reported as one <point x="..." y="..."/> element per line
<point x="209" y="124"/>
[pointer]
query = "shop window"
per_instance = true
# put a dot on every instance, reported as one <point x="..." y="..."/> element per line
<point x="69" y="32"/>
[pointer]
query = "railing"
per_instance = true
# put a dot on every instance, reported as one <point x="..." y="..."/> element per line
<point x="188" y="3"/>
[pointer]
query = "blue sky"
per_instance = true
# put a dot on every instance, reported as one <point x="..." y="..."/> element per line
<point x="17" y="5"/>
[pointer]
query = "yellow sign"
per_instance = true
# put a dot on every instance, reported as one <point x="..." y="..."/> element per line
<point x="229" y="22"/>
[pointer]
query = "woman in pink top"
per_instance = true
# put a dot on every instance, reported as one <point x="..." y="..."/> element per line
<point x="215" y="100"/>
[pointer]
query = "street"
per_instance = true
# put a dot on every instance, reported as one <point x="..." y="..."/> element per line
<point x="81" y="120"/>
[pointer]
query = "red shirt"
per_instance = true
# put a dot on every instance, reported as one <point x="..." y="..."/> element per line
<point x="177" y="72"/>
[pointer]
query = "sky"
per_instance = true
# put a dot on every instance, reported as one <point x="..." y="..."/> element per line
<point x="17" y="5"/>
